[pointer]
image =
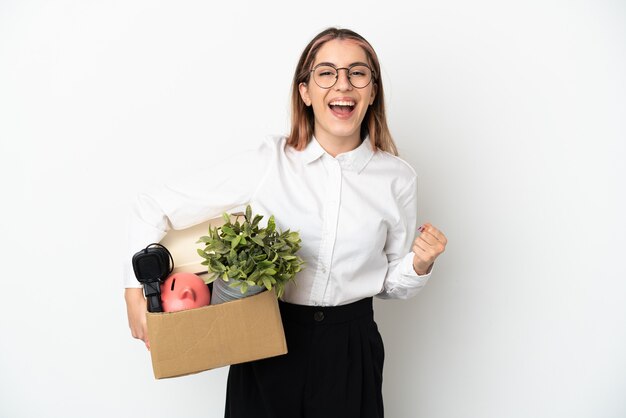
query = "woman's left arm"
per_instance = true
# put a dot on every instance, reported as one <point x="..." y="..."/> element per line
<point x="410" y="259"/>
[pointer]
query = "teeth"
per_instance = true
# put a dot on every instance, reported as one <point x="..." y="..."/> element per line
<point x="342" y="103"/>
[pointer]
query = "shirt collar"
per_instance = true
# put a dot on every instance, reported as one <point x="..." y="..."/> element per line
<point x="355" y="160"/>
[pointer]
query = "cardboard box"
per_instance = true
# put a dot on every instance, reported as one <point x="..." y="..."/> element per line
<point x="201" y="339"/>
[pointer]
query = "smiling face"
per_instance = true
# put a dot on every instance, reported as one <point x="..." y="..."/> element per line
<point x="339" y="110"/>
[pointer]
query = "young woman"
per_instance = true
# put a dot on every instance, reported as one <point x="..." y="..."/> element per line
<point x="337" y="180"/>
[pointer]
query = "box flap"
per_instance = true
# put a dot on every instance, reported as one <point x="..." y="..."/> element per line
<point x="183" y="246"/>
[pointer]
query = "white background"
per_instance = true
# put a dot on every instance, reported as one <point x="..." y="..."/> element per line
<point x="512" y="113"/>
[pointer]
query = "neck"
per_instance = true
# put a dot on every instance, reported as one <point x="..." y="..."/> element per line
<point x="335" y="146"/>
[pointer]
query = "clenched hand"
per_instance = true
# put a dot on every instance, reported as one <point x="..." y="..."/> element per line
<point x="427" y="247"/>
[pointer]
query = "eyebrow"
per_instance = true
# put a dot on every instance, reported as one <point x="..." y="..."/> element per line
<point x="335" y="65"/>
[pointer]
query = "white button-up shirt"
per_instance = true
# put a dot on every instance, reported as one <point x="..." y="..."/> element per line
<point x="356" y="214"/>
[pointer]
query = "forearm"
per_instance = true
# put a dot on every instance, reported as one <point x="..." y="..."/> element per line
<point x="402" y="281"/>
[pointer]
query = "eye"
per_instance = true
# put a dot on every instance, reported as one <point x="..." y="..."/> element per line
<point x="326" y="72"/>
<point x="359" y="71"/>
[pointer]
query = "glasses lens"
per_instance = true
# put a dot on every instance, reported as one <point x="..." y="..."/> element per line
<point x="325" y="76"/>
<point x="360" y="76"/>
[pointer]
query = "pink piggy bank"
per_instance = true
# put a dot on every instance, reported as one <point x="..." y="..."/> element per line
<point x="182" y="291"/>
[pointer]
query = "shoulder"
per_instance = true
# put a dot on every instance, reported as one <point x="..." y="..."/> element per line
<point x="277" y="142"/>
<point x="265" y="148"/>
<point x="400" y="170"/>
<point x="272" y="145"/>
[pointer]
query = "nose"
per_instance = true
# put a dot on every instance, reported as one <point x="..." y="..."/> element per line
<point x="188" y="293"/>
<point x="343" y="81"/>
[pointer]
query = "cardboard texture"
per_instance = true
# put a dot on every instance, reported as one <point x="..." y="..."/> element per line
<point x="214" y="336"/>
<point x="206" y="338"/>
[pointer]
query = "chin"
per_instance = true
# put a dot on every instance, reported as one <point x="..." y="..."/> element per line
<point x="345" y="131"/>
<point x="340" y="129"/>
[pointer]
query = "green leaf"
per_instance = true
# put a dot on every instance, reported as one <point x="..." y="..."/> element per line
<point x="257" y="241"/>
<point x="256" y="220"/>
<point x="293" y="237"/>
<point x="226" y="217"/>
<point x="235" y="242"/>
<point x="228" y="230"/>
<point x="248" y="213"/>
<point x="217" y="264"/>
<point x="265" y="264"/>
<point x="271" y="224"/>
<point x="280" y="289"/>
<point x="267" y="283"/>
<point x="249" y="267"/>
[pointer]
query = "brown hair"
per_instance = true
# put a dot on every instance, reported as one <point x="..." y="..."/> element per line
<point x="302" y="119"/>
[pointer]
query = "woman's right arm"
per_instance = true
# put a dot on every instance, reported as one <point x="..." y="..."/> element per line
<point x="184" y="202"/>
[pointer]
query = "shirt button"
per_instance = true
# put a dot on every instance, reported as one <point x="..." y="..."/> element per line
<point x="318" y="316"/>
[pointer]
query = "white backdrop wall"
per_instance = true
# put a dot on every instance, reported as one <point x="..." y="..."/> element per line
<point x="512" y="113"/>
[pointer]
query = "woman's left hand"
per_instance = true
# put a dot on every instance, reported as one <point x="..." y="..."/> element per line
<point x="427" y="247"/>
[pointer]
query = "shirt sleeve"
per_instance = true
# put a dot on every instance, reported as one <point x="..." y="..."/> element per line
<point x="203" y="194"/>
<point x="401" y="280"/>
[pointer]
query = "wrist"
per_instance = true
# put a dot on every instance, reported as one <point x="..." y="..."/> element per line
<point x="132" y="294"/>
<point x="421" y="271"/>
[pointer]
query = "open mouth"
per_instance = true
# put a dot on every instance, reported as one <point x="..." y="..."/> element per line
<point x="342" y="107"/>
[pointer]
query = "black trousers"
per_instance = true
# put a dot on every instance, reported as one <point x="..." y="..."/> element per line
<point x="333" y="369"/>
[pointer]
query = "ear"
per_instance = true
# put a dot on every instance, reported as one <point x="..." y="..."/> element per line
<point x="304" y="93"/>
<point x="374" y="91"/>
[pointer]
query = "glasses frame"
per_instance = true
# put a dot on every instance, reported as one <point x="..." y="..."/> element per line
<point x="358" y="64"/>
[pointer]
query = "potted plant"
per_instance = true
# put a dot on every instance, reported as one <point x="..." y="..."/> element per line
<point x="244" y="259"/>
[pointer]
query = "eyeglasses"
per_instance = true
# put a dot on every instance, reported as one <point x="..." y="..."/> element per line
<point x="326" y="76"/>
